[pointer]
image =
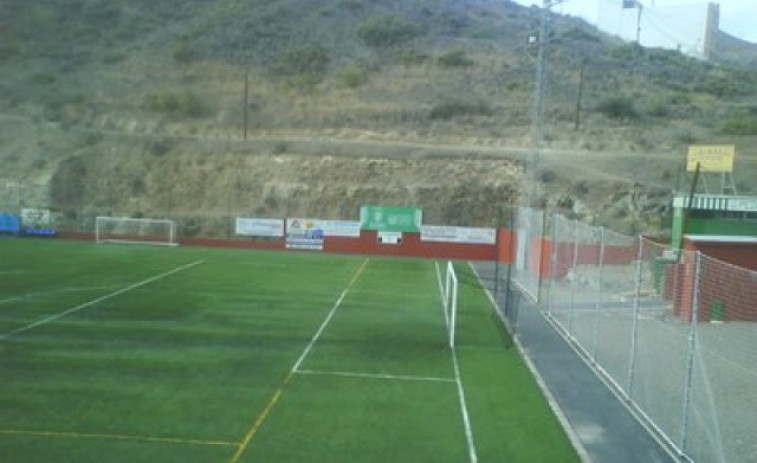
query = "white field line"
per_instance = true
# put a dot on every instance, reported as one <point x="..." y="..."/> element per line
<point x="349" y="374"/>
<point x="405" y="295"/>
<point x="17" y="298"/>
<point x="464" y="411"/>
<point x="326" y="321"/>
<point x="46" y="293"/>
<point x="277" y="395"/>
<point x="98" y="300"/>
<point x="472" y="455"/>
<point x="553" y="405"/>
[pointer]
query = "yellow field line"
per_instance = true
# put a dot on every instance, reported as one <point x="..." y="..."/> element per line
<point x="357" y="275"/>
<point x="78" y="435"/>
<point x="259" y="422"/>
<point x="277" y="395"/>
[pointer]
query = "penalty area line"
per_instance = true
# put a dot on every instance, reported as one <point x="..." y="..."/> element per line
<point x="280" y="390"/>
<point x="472" y="454"/>
<point x="98" y="300"/>
<point x="350" y="374"/>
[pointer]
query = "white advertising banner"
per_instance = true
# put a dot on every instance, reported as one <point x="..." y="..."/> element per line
<point x="343" y="228"/>
<point x="36" y="218"/>
<point x="259" y="227"/>
<point x="389" y="237"/>
<point x="458" y="234"/>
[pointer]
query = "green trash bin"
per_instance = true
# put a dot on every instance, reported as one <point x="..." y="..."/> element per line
<point x="716" y="311"/>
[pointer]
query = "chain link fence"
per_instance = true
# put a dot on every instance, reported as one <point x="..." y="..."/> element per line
<point x="675" y="333"/>
<point x="529" y="229"/>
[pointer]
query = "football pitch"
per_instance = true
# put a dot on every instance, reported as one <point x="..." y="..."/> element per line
<point x="112" y="353"/>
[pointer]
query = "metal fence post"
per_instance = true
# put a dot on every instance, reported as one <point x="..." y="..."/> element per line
<point x="573" y="282"/>
<point x="498" y="244"/>
<point x="553" y="263"/>
<point x="635" y="329"/>
<point x="691" y="353"/>
<point x="598" y="302"/>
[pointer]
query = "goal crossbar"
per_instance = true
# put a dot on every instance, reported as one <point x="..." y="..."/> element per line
<point x="130" y="230"/>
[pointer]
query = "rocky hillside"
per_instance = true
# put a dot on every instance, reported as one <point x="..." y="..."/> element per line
<point x="142" y="108"/>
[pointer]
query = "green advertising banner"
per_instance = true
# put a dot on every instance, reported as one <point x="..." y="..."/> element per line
<point x="395" y="219"/>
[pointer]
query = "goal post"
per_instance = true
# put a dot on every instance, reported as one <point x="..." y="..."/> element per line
<point x="129" y="230"/>
<point x="450" y="301"/>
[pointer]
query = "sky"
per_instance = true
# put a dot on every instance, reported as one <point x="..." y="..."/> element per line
<point x="737" y="17"/>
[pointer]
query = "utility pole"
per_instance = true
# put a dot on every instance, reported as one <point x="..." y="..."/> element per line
<point x="636" y="4"/>
<point x="537" y="120"/>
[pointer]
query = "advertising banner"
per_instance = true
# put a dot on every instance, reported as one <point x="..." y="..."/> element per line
<point x="398" y="219"/>
<point x="389" y="237"/>
<point x="259" y="227"/>
<point x="458" y="234"/>
<point x="304" y="234"/>
<point x="39" y="218"/>
<point x="343" y="228"/>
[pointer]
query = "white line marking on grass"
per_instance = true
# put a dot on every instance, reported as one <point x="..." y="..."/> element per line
<point x="464" y="410"/>
<point x="350" y="374"/>
<point x="317" y="334"/>
<point x="12" y="299"/>
<point x="472" y="455"/>
<point x="393" y="294"/>
<point x="551" y="402"/>
<point x="48" y="293"/>
<point x="277" y="395"/>
<point x="98" y="300"/>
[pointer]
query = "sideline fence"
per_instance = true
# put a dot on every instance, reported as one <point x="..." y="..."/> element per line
<point x="675" y="333"/>
<point x="529" y="228"/>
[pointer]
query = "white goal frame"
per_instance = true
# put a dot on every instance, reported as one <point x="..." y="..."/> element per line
<point x="450" y="301"/>
<point x="130" y="230"/>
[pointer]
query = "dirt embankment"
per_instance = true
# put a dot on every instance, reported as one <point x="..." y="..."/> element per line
<point x="203" y="181"/>
<point x="204" y="185"/>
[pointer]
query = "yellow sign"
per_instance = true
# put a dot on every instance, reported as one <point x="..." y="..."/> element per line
<point x="711" y="158"/>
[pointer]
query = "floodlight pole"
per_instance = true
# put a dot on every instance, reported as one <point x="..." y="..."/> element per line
<point x="537" y="120"/>
<point x="639" y="7"/>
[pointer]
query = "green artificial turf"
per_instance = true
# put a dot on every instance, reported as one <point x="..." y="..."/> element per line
<point x="135" y="353"/>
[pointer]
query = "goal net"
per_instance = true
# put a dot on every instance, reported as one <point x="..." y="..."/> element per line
<point x="450" y="301"/>
<point x="135" y="231"/>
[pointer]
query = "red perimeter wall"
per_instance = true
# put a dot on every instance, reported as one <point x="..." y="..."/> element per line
<point x="367" y="244"/>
